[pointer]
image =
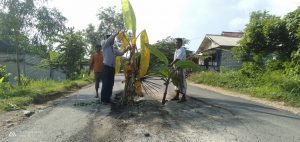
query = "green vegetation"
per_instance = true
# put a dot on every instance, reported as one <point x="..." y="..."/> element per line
<point x="31" y="27"/>
<point x="270" y="51"/>
<point x="167" y="47"/>
<point x="270" y="85"/>
<point x="17" y="97"/>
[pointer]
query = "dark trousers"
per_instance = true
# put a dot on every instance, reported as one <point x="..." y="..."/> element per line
<point x="98" y="79"/>
<point x="108" y="79"/>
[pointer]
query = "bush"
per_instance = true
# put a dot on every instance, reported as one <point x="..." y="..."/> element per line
<point x="274" y="65"/>
<point x="25" y="81"/>
<point x="4" y="89"/>
<point x="4" y="73"/>
<point x="20" y="96"/>
<point x="292" y="70"/>
<point x="230" y="79"/>
<point x="274" y="85"/>
<point x="251" y="69"/>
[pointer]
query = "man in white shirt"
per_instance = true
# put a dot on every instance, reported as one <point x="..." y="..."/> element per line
<point x="181" y="86"/>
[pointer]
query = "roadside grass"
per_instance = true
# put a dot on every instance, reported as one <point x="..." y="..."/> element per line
<point x="18" y="97"/>
<point x="275" y="85"/>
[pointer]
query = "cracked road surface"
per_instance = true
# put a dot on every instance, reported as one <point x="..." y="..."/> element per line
<point x="206" y="117"/>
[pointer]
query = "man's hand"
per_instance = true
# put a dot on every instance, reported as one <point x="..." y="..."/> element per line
<point x="117" y="33"/>
<point x="128" y="48"/>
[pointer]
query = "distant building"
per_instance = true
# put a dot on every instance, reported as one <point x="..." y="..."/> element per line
<point x="28" y="64"/>
<point x="215" y="51"/>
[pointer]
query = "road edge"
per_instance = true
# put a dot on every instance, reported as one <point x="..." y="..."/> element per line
<point x="277" y="105"/>
<point x="17" y="117"/>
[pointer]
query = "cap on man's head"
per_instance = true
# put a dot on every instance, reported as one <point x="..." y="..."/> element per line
<point x="179" y="39"/>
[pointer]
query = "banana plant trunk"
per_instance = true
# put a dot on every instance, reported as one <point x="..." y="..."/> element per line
<point x="167" y="85"/>
<point x="129" y="91"/>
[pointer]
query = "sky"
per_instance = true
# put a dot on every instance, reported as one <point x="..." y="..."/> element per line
<point x="190" y="19"/>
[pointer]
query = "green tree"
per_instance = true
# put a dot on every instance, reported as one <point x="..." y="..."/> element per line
<point x="50" y="27"/>
<point x="73" y="49"/>
<point x="296" y="54"/>
<point x="29" y="27"/>
<point x="264" y="35"/>
<point x="110" y="21"/>
<point x="293" y="25"/>
<point x="92" y="36"/>
<point x="16" y="17"/>
<point x="292" y="21"/>
<point x="294" y="67"/>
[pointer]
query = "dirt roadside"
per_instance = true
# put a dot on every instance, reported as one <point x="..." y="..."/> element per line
<point x="11" y="119"/>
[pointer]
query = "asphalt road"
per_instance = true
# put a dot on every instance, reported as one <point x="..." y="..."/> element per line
<point x="251" y="121"/>
<point x="206" y="116"/>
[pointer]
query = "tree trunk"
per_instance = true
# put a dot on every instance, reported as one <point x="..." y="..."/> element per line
<point x="18" y="59"/>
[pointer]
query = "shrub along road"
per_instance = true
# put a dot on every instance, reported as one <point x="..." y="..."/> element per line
<point x="206" y="116"/>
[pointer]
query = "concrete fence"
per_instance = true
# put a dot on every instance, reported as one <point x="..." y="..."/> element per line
<point x="29" y="66"/>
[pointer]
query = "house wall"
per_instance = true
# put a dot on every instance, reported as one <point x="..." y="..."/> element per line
<point x="213" y="62"/>
<point x="212" y="45"/>
<point x="29" y="67"/>
<point x="228" y="62"/>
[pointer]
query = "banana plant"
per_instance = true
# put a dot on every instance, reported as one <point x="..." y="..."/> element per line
<point x="137" y="65"/>
<point x="136" y="68"/>
<point x="166" y="73"/>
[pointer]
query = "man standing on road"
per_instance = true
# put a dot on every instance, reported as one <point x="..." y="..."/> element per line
<point x="109" y="55"/>
<point x="181" y="86"/>
<point x="96" y="64"/>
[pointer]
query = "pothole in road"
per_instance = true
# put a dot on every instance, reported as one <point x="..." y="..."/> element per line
<point x="149" y="108"/>
<point x="147" y="118"/>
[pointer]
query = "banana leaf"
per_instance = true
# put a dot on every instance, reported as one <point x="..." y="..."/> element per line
<point x="164" y="71"/>
<point x="145" y="54"/>
<point x="123" y="39"/>
<point x="158" y="54"/>
<point x="129" y="16"/>
<point x="175" y="79"/>
<point x="124" y="43"/>
<point x="186" y="64"/>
